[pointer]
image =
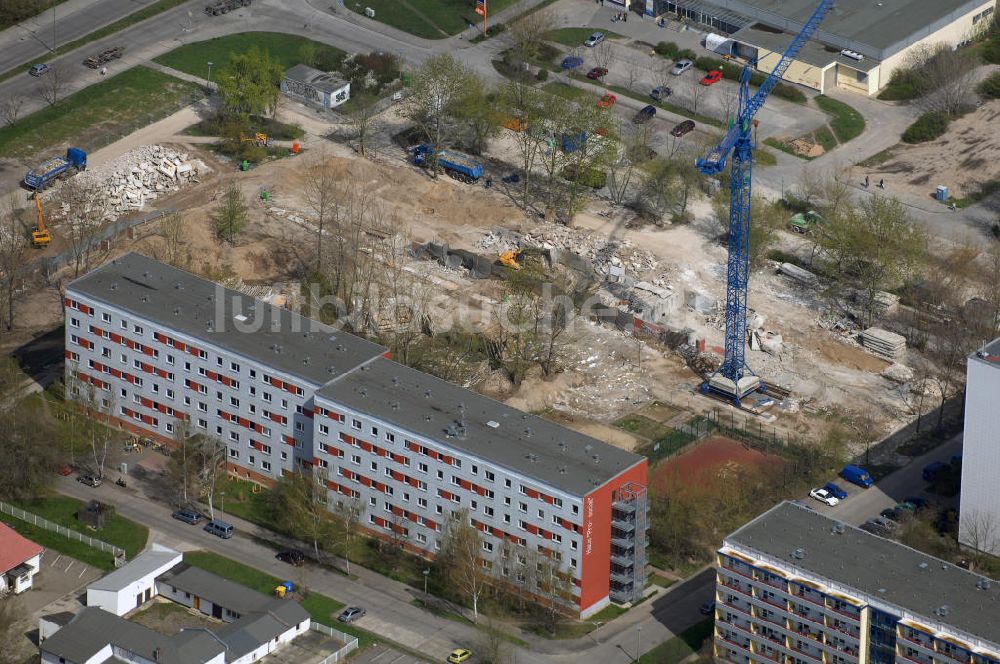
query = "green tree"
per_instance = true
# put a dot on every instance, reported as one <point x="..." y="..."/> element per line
<point x="303" y="509"/>
<point x="438" y="91"/>
<point x="525" y="104"/>
<point x="460" y="558"/>
<point x="873" y="245"/>
<point x="478" y="112"/>
<point x="249" y="85"/>
<point x="232" y="214"/>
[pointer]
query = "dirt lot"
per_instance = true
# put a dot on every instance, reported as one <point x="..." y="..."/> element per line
<point x="711" y="458"/>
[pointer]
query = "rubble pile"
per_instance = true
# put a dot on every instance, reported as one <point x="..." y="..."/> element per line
<point x="608" y="256"/>
<point x="139" y="176"/>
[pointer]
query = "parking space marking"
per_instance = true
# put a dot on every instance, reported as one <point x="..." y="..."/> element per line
<point x="56" y="560"/>
<point x="66" y="571"/>
<point x="82" y="572"/>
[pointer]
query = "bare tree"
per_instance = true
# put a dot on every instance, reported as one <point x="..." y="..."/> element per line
<point x="320" y="193"/>
<point x="181" y="467"/>
<point x="211" y="457"/>
<point x="555" y="587"/>
<point x="527" y="105"/>
<point x="493" y="645"/>
<point x="13" y="253"/>
<point x="695" y="92"/>
<point x="51" y="86"/>
<point x="980" y="531"/>
<point x="527" y="34"/>
<point x="729" y="96"/>
<point x="87" y="213"/>
<point x="349" y="513"/>
<point x="948" y="78"/>
<point x="602" y="54"/>
<point x="309" y="513"/>
<point x="437" y="91"/>
<point x="232" y="213"/>
<point x="363" y="120"/>
<point x="10" y="109"/>
<point x="634" y="149"/>
<point x="460" y="551"/>
<point x="633" y="70"/>
<point x="175" y="247"/>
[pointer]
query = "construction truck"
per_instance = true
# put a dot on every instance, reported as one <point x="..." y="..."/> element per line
<point x="225" y="6"/>
<point x="104" y="57"/>
<point x="259" y="139"/>
<point x="457" y="165"/>
<point x="56" y="168"/>
<point x="804" y="222"/>
<point x="40" y="236"/>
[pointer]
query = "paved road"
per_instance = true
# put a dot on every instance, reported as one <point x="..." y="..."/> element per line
<point x="863" y="504"/>
<point x="390" y="613"/>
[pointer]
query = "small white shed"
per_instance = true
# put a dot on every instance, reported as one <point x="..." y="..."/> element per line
<point x="133" y="584"/>
<point x="315" y="86"/>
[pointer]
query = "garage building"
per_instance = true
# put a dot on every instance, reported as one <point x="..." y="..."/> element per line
<point x="130" y="586"/>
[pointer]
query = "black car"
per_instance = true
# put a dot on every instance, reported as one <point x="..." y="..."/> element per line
<point x="892" y="514"/>
<point x="645" y="115"/>
<point x="917" y="502"/>
<point x="187" y="516"/>
<point x="350" y="614"/>
<point x="292" y="557"/>
<point x="661" y="92"/>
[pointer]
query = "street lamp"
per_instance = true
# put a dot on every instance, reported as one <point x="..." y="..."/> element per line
<point x="223" y="508"/>
<point x="208" y="81"/>
<point x="427" y="573"/>
<point x="638" y="642"/>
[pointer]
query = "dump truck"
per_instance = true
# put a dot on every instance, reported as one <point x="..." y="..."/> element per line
<point x="104" y="57"/>
<point x="56" y="168"/>
<point x="40" y="236"/>
<point x="804" y="222"/>
<point x="225" y="6"/>
<point x="457" y="165"/>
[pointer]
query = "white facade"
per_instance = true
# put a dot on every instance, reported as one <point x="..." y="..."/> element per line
<point x="979" y="520"/>
<point x="129" y="587"/>
<point x="22" y="581"/>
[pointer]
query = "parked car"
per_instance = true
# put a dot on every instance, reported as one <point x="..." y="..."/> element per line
<point x="607" y="101"/>
<point x="711" y="77"/>
<point x="682" y="128"/>
<point x="219" y="528"/>
<point x="906" y="507"/>
<point x="892" y="514"/>
<point x="292" y="557"/>
<point x="917" y="502"/>
<point x="90" y="480"/>
<point x="594" y="39"/>
<point x="856" y="475"/>
<point x="824" y="496"/>
<point x="571" y="62"/>
<point x="39" y="69"/>
<point x="932" y="469"/>
<point x="65" y="470"/>
<point x="708" y="608"/>
<point x="645" y="115"/>
<point x="188" y="516"/>
<point x="835" y="490"/>
<point x="888" y="524"/>
<point x="597" y="73"/>
<point x="681" y="66"/>
<point x="459" y="655"/>
<point x="661" y="92"/>
<point x="350" y="614"/>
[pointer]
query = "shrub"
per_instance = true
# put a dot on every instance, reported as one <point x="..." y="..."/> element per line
<point x="990" y="86"/>
<point x="588" y="177"/>
<point x="789" y="92"/>
<point x="542" y="75"/>
<point x="905" y="84"/>
<point x="991" y="50"/>
<point x="928" y="126"/>
<point x="667" y="49"/>
<point x="686" y="54"/>
<point x="708" y="64"/>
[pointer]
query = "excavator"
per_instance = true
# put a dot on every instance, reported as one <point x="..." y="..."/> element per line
<point x="40" y="236"/>
<point x="259" y="139"/>
<point x="512" y="259"/>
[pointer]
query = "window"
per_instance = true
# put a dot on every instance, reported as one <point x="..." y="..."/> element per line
<point x="202" y="371"/>
<point x="74" y="322"/>
<point x="391" y="437"/>
<point x="234" y="454"/>
<point x="489" y="475"/>
<point x="488" y="546"/>
<point x="284" y="456"/>
<point x="422" y="467"/>
<point x="487" y="510"/>
<point x="557" y="502"/>
<point x="187" y="400"/>
<point x="385" y="471"/>
<point x="266" y="396"/>
<point x="522" y="507"/>
<point x="187" y="366"/>
<point x="284" y="404"/>
<point x="356" y="424"/>
<point x="374" y="467"/>
<point x="506" y="518"/>
<point x="422" y="502"/>
<point x="375" y="431"/>
<point x="106" y="317"/>
<point x="506" y="483"/>
<point x="521" y="490"/>
<point x="299" y="426"/>
<point x="123" y="392"/>
<point x="555" y="519"/>
<point x="202" y="406"/>
<point x="251" y="459"/>
<point x="156" y="388"/>
<point x="422" y="538"/>
<point x="556" y="537"/>
<point x="572" y="563"/>
<point x="356" y="459"/>
<point x="576" y="509"/>
<point x="455" y="481"/>
<point x="438" y="509"/>
<point x="202" y="423"/>
<point x="218" y="361"/>
<point x="472" y="506"/>
<point x="440" y="474"/>
<point x="253" y="391"/>
<point x="266" y="431"/>
<point x="170" y="360"/>
<point x="253" y="373"/>
<point x="541" y="515"/>
<point x="233" y="401"/>
<point x="266" y="465"/>
<point x="372" y="501"/>
<point x="234" y="367"/>
<point x="137" y="329"/>
<point x="506" y="501"/>
<point x="323" y="429"/>
<point x="456" y="462"/>
<point x="218" y="395"/>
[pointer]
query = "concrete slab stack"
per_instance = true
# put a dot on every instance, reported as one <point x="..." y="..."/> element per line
<point x="885" y="344"/>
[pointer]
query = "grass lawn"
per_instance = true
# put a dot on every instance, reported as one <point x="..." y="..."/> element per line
<point x="846" y="122"/>
<point x="118" y="531"/>
<point x="642" y="426"/>
<point x="681" y="646"/>
<point x="576" y="36"/>
<point x="661" y="581"/>
<point x="880" y="157"/>
<point x="101" y="113"/>
<point x="565" y="90"/>
<point x="784" y="147"/>
<point x="824" y="138"/>
<point x="284" y="49"/>
<point x="430" y="19"/>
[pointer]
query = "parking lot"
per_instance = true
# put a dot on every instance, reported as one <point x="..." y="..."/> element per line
<point x="379" y="654"/>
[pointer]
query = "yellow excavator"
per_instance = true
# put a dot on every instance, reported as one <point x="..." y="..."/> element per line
<point x="259" y="139"/>
<point x="40" y="236"/>
<point x="511" y="259"/>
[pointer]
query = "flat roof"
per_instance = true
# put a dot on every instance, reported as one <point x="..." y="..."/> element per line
<point x="199" y="308"/>
<point x="876" y="23"/>
<point x="493" y="431"/>
<point x="812" y="52"/>
<point x="882" y="569"/>
<point x="143" y="565"/>
<point x="315" y="78"/>
<point x="989" y="354"/>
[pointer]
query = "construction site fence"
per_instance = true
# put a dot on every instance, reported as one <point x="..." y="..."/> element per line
<point x="632" y="324"/>
<point x="350" y="643"/>
<point x="679" y="438"/>
<point x="34" y="519"/>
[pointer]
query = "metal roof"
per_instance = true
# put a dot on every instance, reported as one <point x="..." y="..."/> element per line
<point x="989" y="354"/>
<point x="315" y="78"/>
<point x="178" y="300"/>
<point x="146" y="563"/>
<point x="93" y="629"/>
<point x="469" y="422"/>
<point x="879" y="570"/>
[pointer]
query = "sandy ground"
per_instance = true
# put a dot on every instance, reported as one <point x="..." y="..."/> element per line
<point x="964" y="158"/>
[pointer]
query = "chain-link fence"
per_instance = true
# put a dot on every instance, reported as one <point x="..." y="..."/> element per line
<point x="36" y="520"/>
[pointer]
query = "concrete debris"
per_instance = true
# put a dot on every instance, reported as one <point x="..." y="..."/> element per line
<point x="883" y="343"/>
<point x="770" y="342"/>
<point x="129" y="182"/>
<point x="700" y="303"/>
<point x="899" y="373"/>
<point x="800" y="276"/>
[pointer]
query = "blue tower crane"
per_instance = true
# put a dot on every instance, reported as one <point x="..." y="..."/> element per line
<point x="734" y="379"/>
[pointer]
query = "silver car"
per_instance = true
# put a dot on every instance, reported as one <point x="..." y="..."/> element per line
<point x="39" y="69"/>
<point x="681" y="66"/>
<point x="594" y="39"/>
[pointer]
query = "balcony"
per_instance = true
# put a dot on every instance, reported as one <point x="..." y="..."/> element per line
<point x="856" y="617"/>
<point x="926" y="646"/>
<point x="783" y="607"/>
<point x="623" y="507"/>
<point x="735" y="625"/>
<point x="738" y="589"/>
<point x="623" y="526"/>
<point x="912" y="659"/>
<point x="622" y="578"/>
<point x="796" y="614"/>
<point x="736" y="608"/>
<point x="729" y="641"/>
<point x="812" y="657"/>
<point x="811" y="600"/>
<point x="623" y="543"/>
<point x="780" y="585"/>
<point x="622" y="561"/>
<point x="953" y="658"/>
<point x="736" y="571"/>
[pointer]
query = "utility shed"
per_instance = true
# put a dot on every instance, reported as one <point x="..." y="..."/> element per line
<point x="130" y="586"/>
<point x="316" y="87"/>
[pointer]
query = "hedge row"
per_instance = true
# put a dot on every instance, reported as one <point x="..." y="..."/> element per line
<point x="928" y="126"/>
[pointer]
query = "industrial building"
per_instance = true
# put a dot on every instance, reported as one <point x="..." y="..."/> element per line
<point x="979" y="516"/>
<point x="796" y="587"/>
<point x="161" y="352"/>
<point x="857" y="47"/>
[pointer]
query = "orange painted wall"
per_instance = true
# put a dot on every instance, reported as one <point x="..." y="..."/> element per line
<point x="595" y="559"/>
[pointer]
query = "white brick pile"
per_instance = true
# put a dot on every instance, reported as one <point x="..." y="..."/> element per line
<point x="139" y="176"/>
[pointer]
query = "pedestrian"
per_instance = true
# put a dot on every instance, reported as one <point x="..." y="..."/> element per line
<point x="881" y="183"/>
<point x="866" y="182"/>
<point x="626" y="16"/>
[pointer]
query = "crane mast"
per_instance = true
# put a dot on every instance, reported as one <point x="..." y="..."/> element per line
<point x="734" y="379"/>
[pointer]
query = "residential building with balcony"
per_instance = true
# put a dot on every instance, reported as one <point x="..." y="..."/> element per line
<point x="796" y="587"/>
<point x="163" y="353"/>
<point x="979" y="519"/>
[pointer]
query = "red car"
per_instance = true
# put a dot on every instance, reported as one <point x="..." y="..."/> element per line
<point x="65" y="470"/>
<point x="711" y="77"/>
<point x="607" y="101"/>
<point x="598" y="72"/>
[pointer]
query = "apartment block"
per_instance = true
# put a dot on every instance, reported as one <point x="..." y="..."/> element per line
<point x="796" y="587"/>
<point x="979" y="518"/>
<point x="162" y="353"/>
